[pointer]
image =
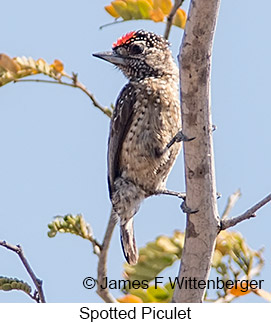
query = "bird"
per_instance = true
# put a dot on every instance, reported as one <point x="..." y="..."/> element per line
<point x="145" y="129"/>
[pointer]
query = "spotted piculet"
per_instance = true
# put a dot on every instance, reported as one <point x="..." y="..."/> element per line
<point x="145" y="119"/>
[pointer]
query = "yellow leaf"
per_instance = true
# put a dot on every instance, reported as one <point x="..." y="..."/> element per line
<point x="217" y="257"/>
<point x="121" y="9"/>
<point x="58" y="66"/>
<point x="8" y="64"/>
<point x="31" y="63"/>
<point x="179" y="19"/>
<point x="156" y="4"/>
<point x="110" y="9"/>
<point x="166" y="244"/>
<point x="227" y="241"/>
<point x="157" y="15"/>
<point x="129" y="298"/>
<point x="166" y="6"/>
<point x="238" y="290"/>
<point x="41" y="61"/>
<point x="144" y="8"/>
<point x="133" y="9"/>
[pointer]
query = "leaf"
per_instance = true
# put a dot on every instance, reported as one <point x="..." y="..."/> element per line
<point x="111" y="10"/>
<point x="217" y="257"/>
<point x="233" y="259"/>
<point x="226" y="241"/>
<point x="13" y="69"/>
<point x="8" y="64"/>
<point x="9" y="284"/>
<point x="142" y="294"/>
<point x="157" y="15"/>
<point x="41" y="66"/>
<point x="129" y="298"/>
<point x="179" y="19"/>
<point x="74" y="224"/>
<point x="156" y="4"/>
<point x="170" y="290"/>
<point x="166" y="6"/>
<point x="144" y="7"/>
<point x="121" y="9"/>
<point x="156" y="10"/>
<point x="58" y="66"/>
<point x="159" y="294"/>
<point x="133" y="8"/>
<point x="238" y="290"/>
<point x="154" y="294"/>
<point x="155" y="257"/>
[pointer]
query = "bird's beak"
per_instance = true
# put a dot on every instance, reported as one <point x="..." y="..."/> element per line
<point x="110" y="57"/>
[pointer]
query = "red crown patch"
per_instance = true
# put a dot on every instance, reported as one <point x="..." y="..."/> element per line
<point x="124" y="39"/>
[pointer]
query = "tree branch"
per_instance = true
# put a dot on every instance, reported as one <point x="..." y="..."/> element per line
<point x="172" y="193"/>
<point x="111" y="23"/>
<point x="195" y="67"/>
<point x="250" y="213"/>
<point x="102" y="266"/>
<point x="37" y="282"/>
<point x="230" y="204"/>
<point x="75" y="84"/>
<point x="176" y="6"/>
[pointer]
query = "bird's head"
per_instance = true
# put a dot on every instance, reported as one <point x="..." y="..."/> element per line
<point x="140" y="54"/>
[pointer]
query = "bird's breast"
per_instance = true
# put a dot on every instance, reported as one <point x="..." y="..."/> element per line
<point x="156" y="120"/>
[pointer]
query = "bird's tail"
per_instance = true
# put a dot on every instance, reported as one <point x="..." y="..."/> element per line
<point x="128" y="243"/>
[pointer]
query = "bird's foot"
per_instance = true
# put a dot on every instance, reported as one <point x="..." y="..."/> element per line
<point x="218" y="195"/>
<point x="186" y="209"/>
<point x="179" y="137"/>
<point x="214" y="127"/>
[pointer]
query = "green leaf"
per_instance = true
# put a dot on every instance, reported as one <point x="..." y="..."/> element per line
<point x="133" y="9"/>
<point x="159" y="294"/>
<point x="122" y="9"/>
<point x="144" y="8"/>
<point x="74" y="224"/>
<point x="9" y="284"/>
<point x="155" y="257"/>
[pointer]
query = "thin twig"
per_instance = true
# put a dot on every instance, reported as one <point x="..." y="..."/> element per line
<point x="233" y="198"/>
<point x="177" y="4"/>
<point x="76" y="84"/>
<point x="37" y="282"/>
<point x="102" y="266"/>
<point x="250" y="213"/>
<point x="172" y="193"/>
<point x="96" y="246"/>
<point x="112" y="23"/>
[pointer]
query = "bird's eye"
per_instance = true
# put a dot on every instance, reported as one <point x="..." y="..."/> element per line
<point x="136" y="49"/>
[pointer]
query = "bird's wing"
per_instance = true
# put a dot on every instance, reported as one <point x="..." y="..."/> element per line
<point x="120" y="123"/>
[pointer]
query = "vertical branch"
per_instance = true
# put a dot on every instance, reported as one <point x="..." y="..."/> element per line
<point x="177" y="4"/>
<point x="102" y="264"/>
<point x="195" y="67"/>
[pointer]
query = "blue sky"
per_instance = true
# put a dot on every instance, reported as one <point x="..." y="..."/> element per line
<point x="53" y="141"/>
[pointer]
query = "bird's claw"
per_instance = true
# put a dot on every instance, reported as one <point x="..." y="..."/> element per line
<point x="186" y="209"/>
<point x="181" y="137"/>
<point x="218" y="195"/>
<point x="177" y="138"/>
